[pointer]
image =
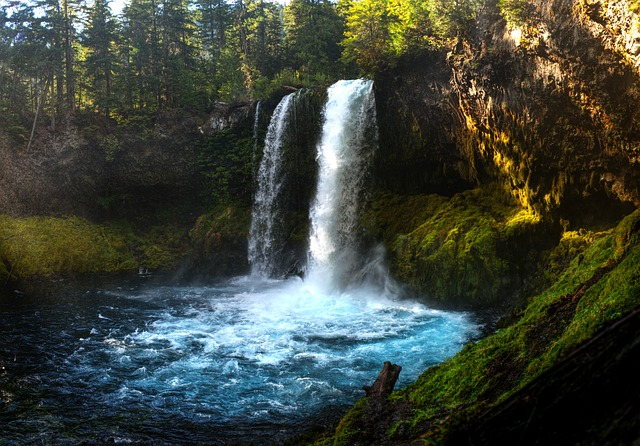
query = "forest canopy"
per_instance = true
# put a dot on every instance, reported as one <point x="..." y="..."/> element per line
<point x="62" y="55"/>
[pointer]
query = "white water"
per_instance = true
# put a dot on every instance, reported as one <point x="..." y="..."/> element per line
<point x="349" y="137"/>
<point x="256" y="127"/>
<point x="263" y="234"/>
<point x="230" y="362"/>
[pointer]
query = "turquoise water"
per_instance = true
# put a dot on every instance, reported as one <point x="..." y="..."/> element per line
<point x="237" y="361"/>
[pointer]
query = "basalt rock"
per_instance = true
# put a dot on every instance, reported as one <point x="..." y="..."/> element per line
<point x="92" y="168"/>
<point x="548" y="108"/>
<point x="227" y="116"/>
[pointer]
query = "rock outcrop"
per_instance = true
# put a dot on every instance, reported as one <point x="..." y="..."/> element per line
<point x="94" y="169"/>
<point x="548" y="108"/>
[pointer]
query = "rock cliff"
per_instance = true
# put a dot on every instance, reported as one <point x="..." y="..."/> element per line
<point x="547" y="112"/>
<point x="548" y="108"/>
<point x="93" y="168"/>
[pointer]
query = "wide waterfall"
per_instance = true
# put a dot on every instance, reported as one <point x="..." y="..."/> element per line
<point x="349" y="138"/>
<point x="264" y="240"/>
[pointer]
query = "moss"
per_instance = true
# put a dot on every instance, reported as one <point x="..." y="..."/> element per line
<point x="599" y="285"/>
<point x="219" y="238"/>
<point x="223" y="223"/>
<point x="455" y="250"/>
<point x="346" y="430"/>
<point x="5" y="275"/>
<point x="38" y="247"/>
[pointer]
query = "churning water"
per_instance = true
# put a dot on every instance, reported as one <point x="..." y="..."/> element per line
<point x="242" y="360"/>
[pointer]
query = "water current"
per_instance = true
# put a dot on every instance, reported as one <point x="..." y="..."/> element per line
<point x="237" y="361"/>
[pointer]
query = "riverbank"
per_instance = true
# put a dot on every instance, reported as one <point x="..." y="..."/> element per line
<point x="490" y="380"/>
<point x="33" y="248"/>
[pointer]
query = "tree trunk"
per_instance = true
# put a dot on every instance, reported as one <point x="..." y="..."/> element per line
<point x="35" y="119"/>
<point x="385" y="382"/>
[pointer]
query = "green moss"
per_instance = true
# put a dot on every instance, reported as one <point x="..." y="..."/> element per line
<point x="221" y="224"/>
<point x="46" y="246"/>
<point x="347" y="429"/>
<point x="457" y="249"/>
<point x="5" y="275"/>
<point x="600" y="284"/>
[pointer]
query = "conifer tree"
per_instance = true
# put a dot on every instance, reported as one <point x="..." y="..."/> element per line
<point x="313" y="32"/>
<point x="99" y="40"/>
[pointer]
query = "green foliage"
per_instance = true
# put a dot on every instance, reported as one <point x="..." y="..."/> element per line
<point x="37" y="247"/>
<point x="379" y="31"/>
<point x="227" y="161"/>
<point x="367" y="37"/>
<point x="314" y="30"/>
<point x="111" y="145"/>
<point x="220" y="224"/>
<point x="99" y="40"/>
<point x="161" y="54"/>
<point x="516" y="12"/>
<point x="453" y="18"/>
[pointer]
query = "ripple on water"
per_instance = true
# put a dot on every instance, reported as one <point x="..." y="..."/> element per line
<point x="166" y="362"/>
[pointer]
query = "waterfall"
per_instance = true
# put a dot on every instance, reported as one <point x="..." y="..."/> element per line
<point x="263" y="233"/>
<point x="256" y="127"/>
<point x="345" y="150"/>
<point x="337" y="254"/>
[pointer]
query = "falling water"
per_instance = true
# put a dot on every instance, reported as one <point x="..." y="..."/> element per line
<point x="263" y="234"/>
<point x="256" y="127"/>
<point x="349" y="138"/>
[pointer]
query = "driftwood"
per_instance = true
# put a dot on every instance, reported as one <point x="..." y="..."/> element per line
<point x="384" y="383"/>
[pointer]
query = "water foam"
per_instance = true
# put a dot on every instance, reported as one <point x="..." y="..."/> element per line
<point x="275" y="348"/>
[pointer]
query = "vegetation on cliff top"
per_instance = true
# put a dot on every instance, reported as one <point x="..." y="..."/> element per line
<point x="600" y="284"/>
<point x="64" y="56"/>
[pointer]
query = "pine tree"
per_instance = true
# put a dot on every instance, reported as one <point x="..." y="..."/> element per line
<point x="313" y="32"/>
<point x="367" y="37"/>
<point x="99" y="39"/>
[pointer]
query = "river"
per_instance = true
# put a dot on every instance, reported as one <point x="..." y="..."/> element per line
<point x="242" y="360"/>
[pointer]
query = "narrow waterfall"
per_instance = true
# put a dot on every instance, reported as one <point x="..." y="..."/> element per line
<point x="263" y="233"/>
<point x="256" y="127"/>
<point x="348" y="141"/>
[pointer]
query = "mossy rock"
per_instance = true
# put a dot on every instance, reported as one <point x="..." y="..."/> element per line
<point x="5" y="276"/>
<point x="472" y="249"/>
<point x="220" y="241"/>
<point x="42" y="247"/>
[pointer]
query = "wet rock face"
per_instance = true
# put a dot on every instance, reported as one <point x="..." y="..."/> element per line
<point x="417" y="118"/>
<point x="550" y="109"/>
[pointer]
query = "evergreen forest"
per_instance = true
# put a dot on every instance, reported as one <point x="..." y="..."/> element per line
<point x="77" y="55"/>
